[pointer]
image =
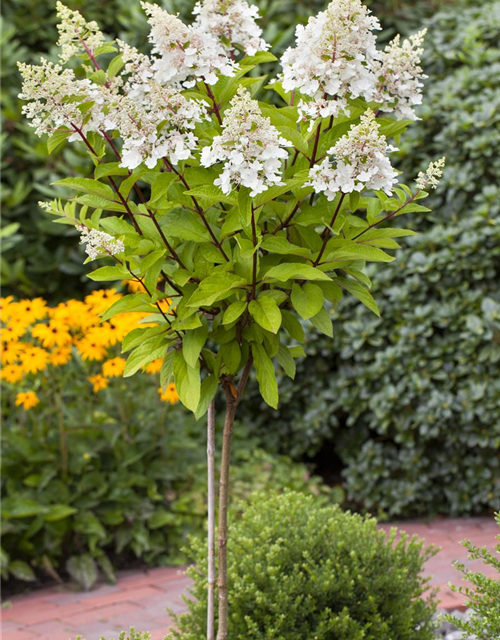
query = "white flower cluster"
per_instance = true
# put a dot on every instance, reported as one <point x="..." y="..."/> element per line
<point x="400" y="75"/>
<point x="250" y="148"/>
<point x="332" y="59"/>
<point x="160" y="125"/>
<point x="50" y="91"/>
<point x="185" y="53"/>
<point x="73" y="31"/>
<point x="233" y="22"/>
<point x="359" y="162"/>
<point x="98" y="243"/>
<point x="430" y="178"/>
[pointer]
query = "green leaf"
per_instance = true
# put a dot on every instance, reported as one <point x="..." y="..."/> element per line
<point x="323" y="322"/>
<point x="184" y="225"/>
<point x="286" y="361"/>
<point x="214" y="288"/>
<point x="22" y="571"/>
<point x="212" y="194"/>
<point x="295" y="271"/>
<point x="193" y="343"/>
<point x="108" y="274"/>
<point x="160" y="186"/>
<point x="59" y="512"/>
<point x="307" y="300"/>
<point x="87" y="186"/>
<point x="280" y="245"/>
<point x="129" y="302"/>
<point x="359" y="252"/>
<point x="187" y="381"/>
<point x="245" y="207"/>
<point x="83" y="570"/>
<point x="57" y="139"/>
<point x="167" y="372"/>
<point x="266" y="375"/>
<point x="149" y="350"/>
<point x="359" y="292"/>
<point x="161" y="518"/>
<point x="115" y="66"/>
<point x="293" y="326"/>
<point x="209" y="388"/>
<point x="266" y="312"/>
<point x="231" y="356"/>
<point x="234" y="311"/>
<point x="109" y="169"/>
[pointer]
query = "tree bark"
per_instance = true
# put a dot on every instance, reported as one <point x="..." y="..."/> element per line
<point x="233" y="396"/>
<point x="211" y="521"/>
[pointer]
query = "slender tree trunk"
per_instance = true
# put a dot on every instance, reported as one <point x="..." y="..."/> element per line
<point x="211" y="521"/>
<point x="223" y="507"/>
<point x="233" y="396"/>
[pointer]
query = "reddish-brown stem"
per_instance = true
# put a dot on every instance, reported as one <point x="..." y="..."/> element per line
<point x="326" y="234"/>
<point x="388" y="217"/>
<point x="214" y="102"/>
<point x="198" y="208"/>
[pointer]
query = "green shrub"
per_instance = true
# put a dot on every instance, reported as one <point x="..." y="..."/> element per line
<point x="39" y="256"/>
<point x="408" y="404"/>
<point x="300" y="570"/>
<point x="134" y="486"/>
<point x="483" y="600"/>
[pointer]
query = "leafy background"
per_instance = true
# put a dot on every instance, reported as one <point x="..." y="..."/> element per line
<point x="401" y="414"/>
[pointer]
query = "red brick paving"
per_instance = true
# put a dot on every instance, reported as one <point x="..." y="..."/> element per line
<point x="140" y="599"/>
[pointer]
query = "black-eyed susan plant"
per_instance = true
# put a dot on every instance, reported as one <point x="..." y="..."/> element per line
<point x="38" y="341"/>
<point x="246" y="215"/>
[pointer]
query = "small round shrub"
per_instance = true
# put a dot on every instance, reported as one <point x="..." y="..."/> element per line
<point x="298" y="570"/>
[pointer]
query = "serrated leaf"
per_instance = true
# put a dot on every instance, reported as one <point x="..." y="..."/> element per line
<point x="184" y="225"/>
<point x="160" y="186"/>
<point x="57" y="139"/>
<point x="280" y="245"/>
<point x="87" y="186"/>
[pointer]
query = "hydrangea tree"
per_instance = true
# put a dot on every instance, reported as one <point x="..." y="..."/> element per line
<point x="237" y="218"/>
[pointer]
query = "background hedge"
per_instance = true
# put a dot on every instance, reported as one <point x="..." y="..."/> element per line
<point x="407" y="407"/>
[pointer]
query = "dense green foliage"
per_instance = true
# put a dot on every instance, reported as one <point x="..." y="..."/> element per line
<point x="132" y="488"/>
<point x="408" y="404"/>
<point x="300" y="570"/>
<point x="483" y="596"/>
<point x="40" y="257"/>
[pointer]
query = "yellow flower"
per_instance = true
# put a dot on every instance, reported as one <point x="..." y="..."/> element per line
<point x="27" y="399"/>
<point x="91" y="349"/>
<point x="60" y="356"/>
<point x="102" y="299"/>
<point x="166" y="305"/>
<point x="170" y="394"/>
<point x="34" y="359"/>
<point x="12" y="373"/>
<point x="12" y="333"/>
<point x="5" y="308"/>
<point x="134" y="286"/>
<point x="10" y="351"/>
<point x="98" y="382"/>
<point x="154" y="367"/>
<point x="113" y="368"/>
<point x="53" y="334"/>
<point x="28" y="311"/>
<point x="74" y="314"/>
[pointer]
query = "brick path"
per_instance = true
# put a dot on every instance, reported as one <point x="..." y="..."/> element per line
<point x="139" y="599"/>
